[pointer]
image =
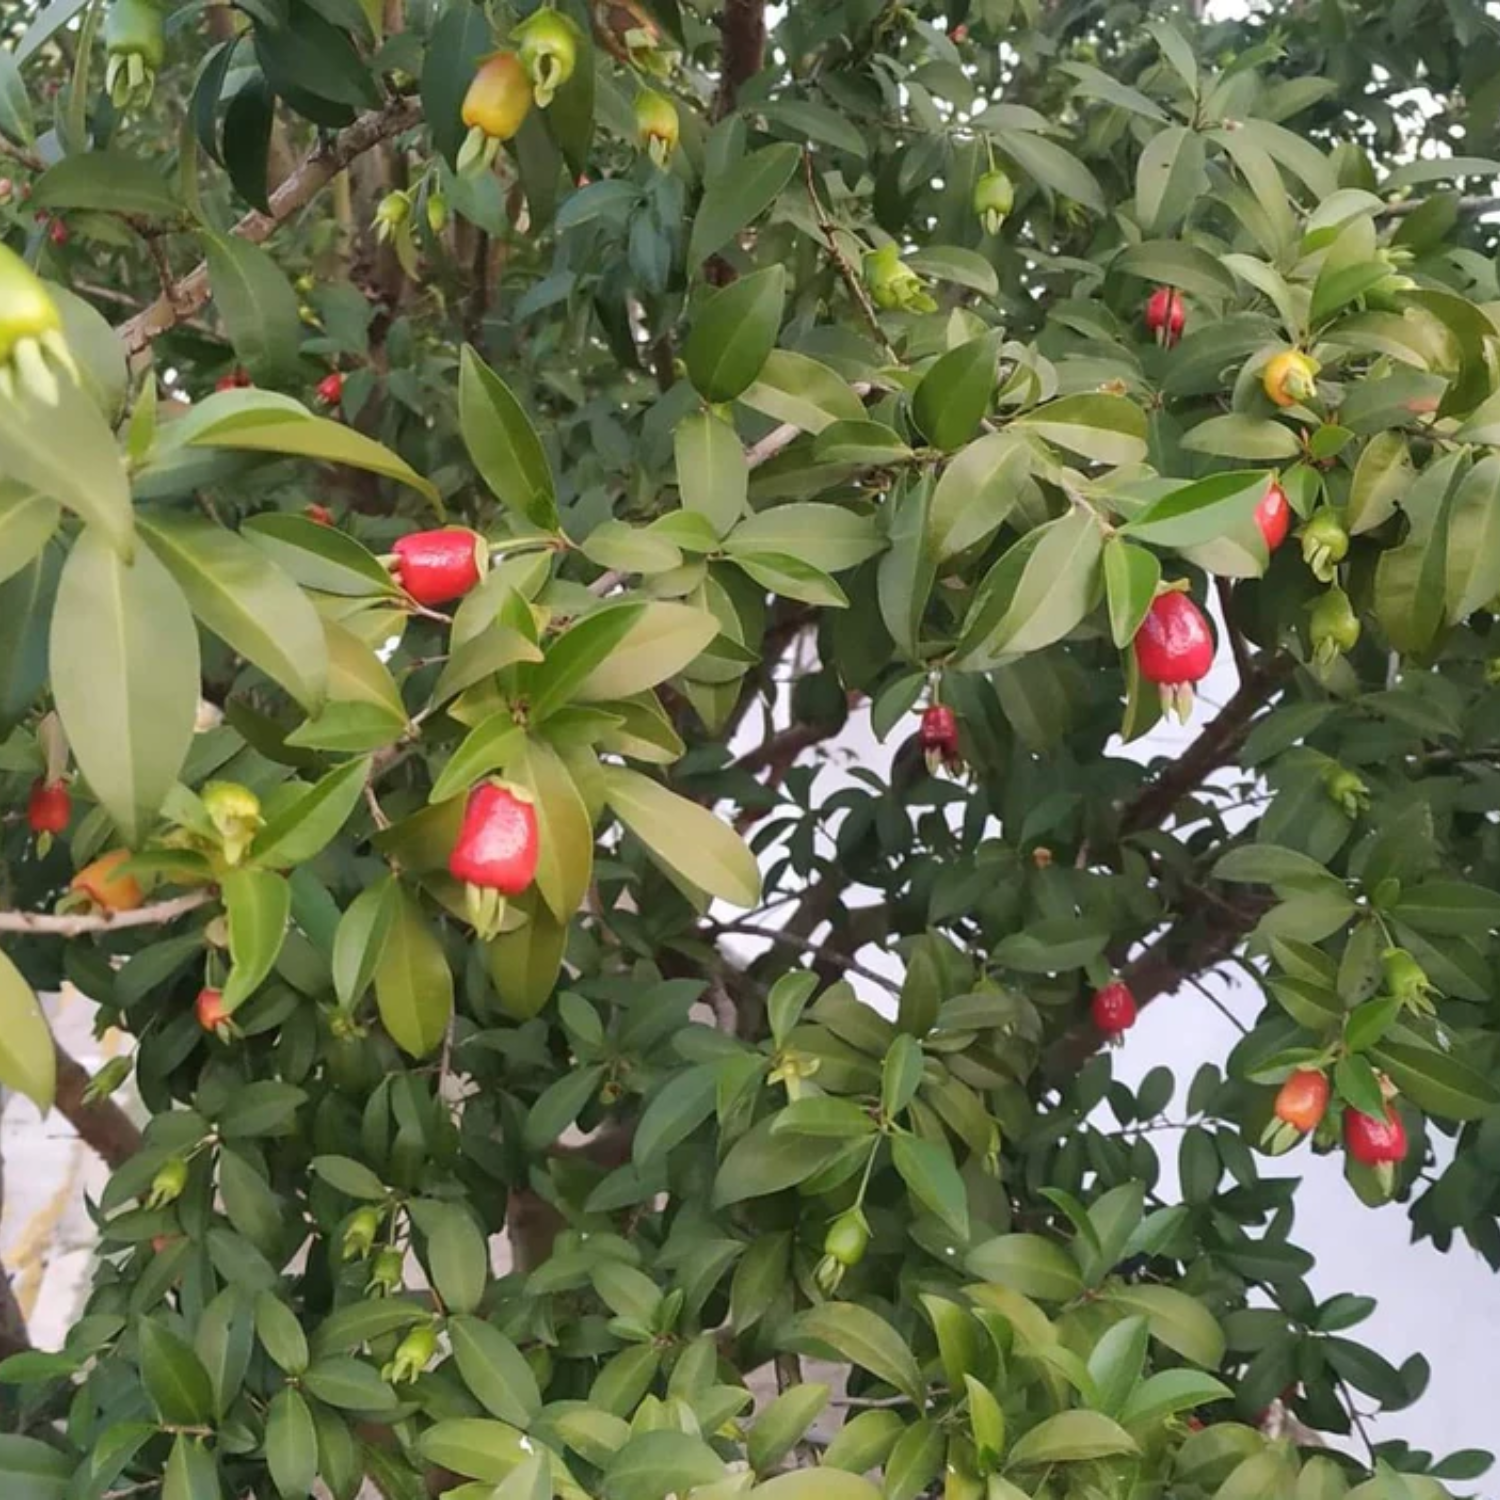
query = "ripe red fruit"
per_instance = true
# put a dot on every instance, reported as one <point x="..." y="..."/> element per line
<point x="58" y="232"/>
<point x="498" y="843"/>
<point x="49" y="806"/>
<point x="1166" y="314"/>
<point x="1114" y="1008"/>
<point x="939" y="729"/>
<point x="1274" y="516"/>
<point x="235" y="380"/>
<point x="1174" y="648"/>
<point x="211" y="1012"/>
<point x="331" y="389"/>
<point x="437" y="566"/>
<point x="319" y="515"/>
<point x="1303" y="1099"/>
<point x="1374" y="1142"/>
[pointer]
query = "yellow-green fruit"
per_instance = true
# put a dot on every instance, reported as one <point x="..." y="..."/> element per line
<point x="657" y="122"/>
<point x="994" y="196"/>
<point x="499" y="98"/>
<point x="548" y="48"/>
<point x="27" y="310"/>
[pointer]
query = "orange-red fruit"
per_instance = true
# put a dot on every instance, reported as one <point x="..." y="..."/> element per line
<point x="1374" y="1142"/>
<point x="435" y="567"/>
<point x="1174" y="644"/>
<point x="1274" y="516"/>
<point x="49" y="807"/>
<point x="1166" y="315"/>
<point x="1303" y="1099"/>
<point x="498" y="844"/>
<point x="319" y="515"/>
<point x="108" y="891"/>
<point x="1114" y="1008"/>
<point x="939" y="729"/>
<point x="211" y="1012"/>
<point x="331" y="389"/>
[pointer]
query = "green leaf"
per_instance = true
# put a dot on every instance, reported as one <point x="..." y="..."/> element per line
<point x="1116" y="1363"/>
<point x="1201" y="512"/>
<point x="1071" y="1435"/>
<point x="280" y="1333"/>
<point x="16" y="122"/>
<point x="28" y="1059"/>
<point x="495" y="1371"/>
<point x="712" y="475"/>
<point x="28" y="520"/>
<point x="1053" y="166"/>
<point x="110" y="181"/>
<point x="861" y="442"/>
<point x="817" y="1484"/>
<point x="932" y="1178"/>
<point x="265" y="1107"/>
<point x="33" y="1470"/>
<point x="319" y="557"/>
<point x="1180" y="1322"/>
<point x="503" y="444"/>
<point x="1435" y="1081"/>
<point x="789" y="576"/>
<point x="826" y="537"/>
<point x="313" y="821"/>
<point x="460" y="39"/>
<point x="524" y="964"/>
<point x="661" y="639"/>
<point x="413" y="983"/>
<point x="793" y="388"/>
<point x="733" y="332"/>
<point x="916" y="1460"/>
<point x="67" y="450"/>
<point x="360" y="939"/>
<point x="349" y="1384"/>
<point x="686" y="838"/>
<point x="978" y="489"/>
<point x="490" y="746"/>
<point x="1175" y="263"/>
<point x="475" y="1448"/>
<point x="1285" y="869"/>
<point x="191" y="1473"/>
<point x="493" y="650"/>
<point x="1473" y="561"/>
<point x="738" y="197"/>
<point x="246" y="600"/>
<point x="559" y="1105"/>
<point x="350" y="1177"/>
<point x="1238" y="436"/>
<point x="653" y="1465"/>
<point x="864" y="1338"/>
<point x="224" y="1341"/>
<point x="565" y="834"/>
<point x="1105" y="429"/>
<point x="457" y="1257"/>
<point x="1131" y="575"/>
<point x="962" y="267"/>
<point x="784" y="1423"/>
<point x="1449" y="907"/>
<point x="291" y="1444"/>
<point x="293" y="431"/>
<point x="257" y="304"/>
<point x="1169" y="1392"/>
<point x="762" y="1162"/>
<point x="954" y="395"/>
<point x="124" y="656"/>
<point x="1036" y="594"/>
<point x="258" y="904"/>
<point x="824" y="1117"/>
<point x="1170" y="176"/>
<point x="815" y="122"/>
<point x="1029" y="1264"/>
<point x="630" y="549"/>
<point x="1097" y="84"/>
<point x="679" y="1107"/>
<point x="176" y="1383"/>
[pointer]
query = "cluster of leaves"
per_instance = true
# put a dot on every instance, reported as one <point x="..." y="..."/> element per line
<point x="704" y="434"/>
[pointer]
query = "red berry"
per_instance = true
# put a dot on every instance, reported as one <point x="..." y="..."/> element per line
<point x="331" y="389"/>
<point x="49" y="807"/>
<point x="320" y="515"/>
<point x="1174" y="644"/>
<point x="437" y="566"/>
<point x="1114" y="1008"/>
<point x="58" y="232"/>
<point x="211" y="1012"/>
<point x="498" y="844"/>
<point x="1374" y="1142"/>
<point x="1166" y="315"/>
<point x="939" y="729"/>
<point x="1274" y="516"/>
<point x="1303" y="1099"/>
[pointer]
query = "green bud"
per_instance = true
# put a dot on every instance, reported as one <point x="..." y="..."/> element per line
<point x="994" y="196"/>
<point x="1335" y="627"/>
<point x="235" y="812"/>
<point x="166" y="1187"/>
<point x="387" y="1272"/>
<point x="893" y="284"/>
<point x="547" y="44"/>
<point x="135" y="41"/>
<point x="1346" y="790"/>
<point x="1405" y="978"/>
<point x="361" y="1232"/>
<point x="413" y="1355"/>
<point x="1325" y="544"/>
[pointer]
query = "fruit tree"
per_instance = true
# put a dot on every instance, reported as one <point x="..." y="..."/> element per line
<point x="469" y="468"/>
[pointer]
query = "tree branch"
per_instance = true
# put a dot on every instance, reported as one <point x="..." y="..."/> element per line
<point x="744" y="51"/>
<point x="314" y="173"/>
<point x="45" y="924"/>
<point x="100" y="1123"/>
<point x="1212" y="749"/>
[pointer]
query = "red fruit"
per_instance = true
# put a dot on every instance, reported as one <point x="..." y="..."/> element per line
<point x="1174" y="648"/>
<point x="1303" y="1099"/>
<point x="49" y="807"/>
<point x="7" y="190"/>
<point x="939" y="729"/>
<point x="58" y="232"/>
<point x="1165" y="315"/>
<point x="1274" y="516"/>
<point x="498" y="844"/>
<point x="1374" y="1142"/>
<point x="1114" y="1008"/>
<point x="437" y="566"/>
<point x="211" y="1012"/>
<point x="320" y="515"/>
<point x="331" y="389"/>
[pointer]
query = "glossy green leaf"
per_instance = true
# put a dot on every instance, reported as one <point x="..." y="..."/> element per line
<point x="864" y="1338"/>
<point x="495" y="1371"/>
<point x="349" y="1384"/>
<point x="1131" y="575"/>
<point x="1070" y="1436"/>
<point x="257" y="304"/>
<point x="504" y="445"/>
<point x="1102" y="428"/>
<point x="457" y="1256"/>
<point x="28" y="1060"/>
<point x="110" y="181"/>
<point x="712" y="475"/>
<point x="954" y="395"/>
<point x="176" y="1382"/>
<point x="360" y="939"/>
<point x="319" y="557"/>
<point x="310" y="824"/>
<point x="280" y="1333"/>
<point x="475" y="1448"/>
<point x="827" y="537"/>
<point x="1177" y="1320"/>
<point x="291" y="1444"/>
<point x="978" y="489"/>
<point x="738" y="197"/>
<point x="258" y="904"/>
<point x="659" y="641"/>
<point x="1029" y="1264"/>
<point x="566" y="840"/>
<point x="795" y="388"/>
<point x="932" y="1178"/>
<point x="413" y="983"/>
<point x="784" y="1423"/>
<point x="191" y="1473"/>
<point x="524" y="964"/>
<point x="28" y="520"/>
<point x="732" y="334"/>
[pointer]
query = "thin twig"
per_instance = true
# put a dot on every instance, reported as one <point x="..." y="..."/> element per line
<point x="46" y="924"/>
